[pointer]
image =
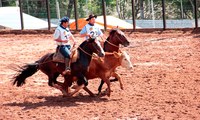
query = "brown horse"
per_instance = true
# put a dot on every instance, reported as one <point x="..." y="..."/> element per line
<point x="105" y="68"/>
<point x="53" y="69"/>
<point x="116" y="37"/>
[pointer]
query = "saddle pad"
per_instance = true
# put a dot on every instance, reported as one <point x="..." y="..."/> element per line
<point x="58" y="57"/>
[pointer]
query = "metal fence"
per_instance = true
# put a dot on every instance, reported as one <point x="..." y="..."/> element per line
<point x="143" y="15"/>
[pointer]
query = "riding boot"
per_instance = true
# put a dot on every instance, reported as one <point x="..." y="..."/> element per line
<point x="67" y="68"/>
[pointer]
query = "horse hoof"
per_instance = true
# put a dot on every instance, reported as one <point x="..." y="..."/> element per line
<point x="64" y="92"/>
<point x="101" y="94"/>
<point x="108" y="94"/>
<point x="66" y="96"/>
<point x="122" y="87"/>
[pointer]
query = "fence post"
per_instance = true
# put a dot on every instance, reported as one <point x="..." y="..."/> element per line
<point x="104" y="14"/>
<point x="21" y="15"/>
<point x="133" y="14"/>
<point x="76" y="14"/>
<point x="163" y="11"/>
<point x="195" y="13"/>
<point x="0" y="3"/>
<point x="48" y="14"/>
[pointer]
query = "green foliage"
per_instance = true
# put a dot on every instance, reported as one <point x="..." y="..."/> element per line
<point x="8" y="3"/>
<point x="175" y="9"/>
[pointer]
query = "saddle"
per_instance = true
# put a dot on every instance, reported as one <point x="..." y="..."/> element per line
<point x="58" y="57"/>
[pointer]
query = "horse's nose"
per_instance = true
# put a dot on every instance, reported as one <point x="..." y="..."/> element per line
<point x="131" y="67"/>
<point x="102" y="54"/>
<point x="126" y="44"/>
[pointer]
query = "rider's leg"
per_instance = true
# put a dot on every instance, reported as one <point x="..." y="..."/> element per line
<point x="65" y="51"/>
<point x="67" y="66"/>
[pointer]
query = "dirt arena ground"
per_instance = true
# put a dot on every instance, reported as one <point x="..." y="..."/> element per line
<point x="164" y="84"/>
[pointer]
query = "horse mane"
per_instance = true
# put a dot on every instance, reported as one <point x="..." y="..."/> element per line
<point x="113" y="31"/>
<point x="83" y="43"/>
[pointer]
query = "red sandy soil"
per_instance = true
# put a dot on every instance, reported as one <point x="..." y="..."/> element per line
<point x="164" y="84"/>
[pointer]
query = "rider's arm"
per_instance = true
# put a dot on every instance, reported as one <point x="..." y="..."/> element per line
<point x="59" y="40"/>
<point x="56" y="36"/>
<point x="72" y="38"/>
<point x="85" y="35"/>
<point x="101" y="35"/>
<point x="83" y="32"/>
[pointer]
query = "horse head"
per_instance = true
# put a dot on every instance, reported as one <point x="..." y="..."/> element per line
<point x="92" y="45"/>
<point x="126" y="62"/>
<point x="118" y="37"/>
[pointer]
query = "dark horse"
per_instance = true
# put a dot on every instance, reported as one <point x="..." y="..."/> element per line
<point x="53" y="69"/>
<point x="116" y="37"/>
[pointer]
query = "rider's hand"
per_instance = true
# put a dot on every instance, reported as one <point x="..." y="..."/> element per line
<point x="88" y="35"/>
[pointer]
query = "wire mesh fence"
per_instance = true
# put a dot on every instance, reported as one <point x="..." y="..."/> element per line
<point x="148" y="13"/>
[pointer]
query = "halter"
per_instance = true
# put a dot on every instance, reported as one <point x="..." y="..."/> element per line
<point x="114" y="44"/>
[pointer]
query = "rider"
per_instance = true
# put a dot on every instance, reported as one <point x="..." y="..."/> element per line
<point x="62" y="35"/>
<point x="91" y="29"/>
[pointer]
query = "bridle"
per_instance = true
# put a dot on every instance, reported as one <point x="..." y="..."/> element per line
<point x="91" y="55"/>
<point x="114" y="44"/>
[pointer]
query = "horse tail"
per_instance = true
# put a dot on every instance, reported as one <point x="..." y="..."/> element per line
<point x="25" y="72"/>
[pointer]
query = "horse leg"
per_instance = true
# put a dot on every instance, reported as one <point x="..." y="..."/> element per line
<point x="100" y="87"/>
<point x="82" y="82"/>
<point x="76" y="90"/>
<point x="88" y="91"/>
<point x="117" y="76"/>
<point x="107" y="81"/>
<point x="60" y="88"/>
<point x="54" y="83"/>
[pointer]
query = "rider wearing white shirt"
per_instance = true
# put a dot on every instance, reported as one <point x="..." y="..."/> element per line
<point x="91" y="29"/>
<point x="62" y="36"/>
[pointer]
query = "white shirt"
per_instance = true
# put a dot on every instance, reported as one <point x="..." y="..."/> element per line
<point x="62" y="33"/>
<point x="94" y="30"/>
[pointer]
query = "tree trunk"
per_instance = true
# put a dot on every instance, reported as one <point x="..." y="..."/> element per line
<point x="118" y="9"/>
<point x="192" y="3"/>
<point x="193" y="9"/>
<point x="70" y="6"/>
<point x="0" y="3"/>
<point x="142" y="9"/>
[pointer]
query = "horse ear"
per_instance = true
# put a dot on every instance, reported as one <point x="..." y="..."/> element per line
<point x="116" y="54"/>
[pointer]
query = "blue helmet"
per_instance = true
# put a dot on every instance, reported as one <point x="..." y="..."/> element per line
<point x="64" y="19"/>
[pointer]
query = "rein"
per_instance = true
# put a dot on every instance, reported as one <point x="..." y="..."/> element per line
<point x="85" y="51"/>
<point x="114" y="44"/>
<point x="93" y="55"/>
